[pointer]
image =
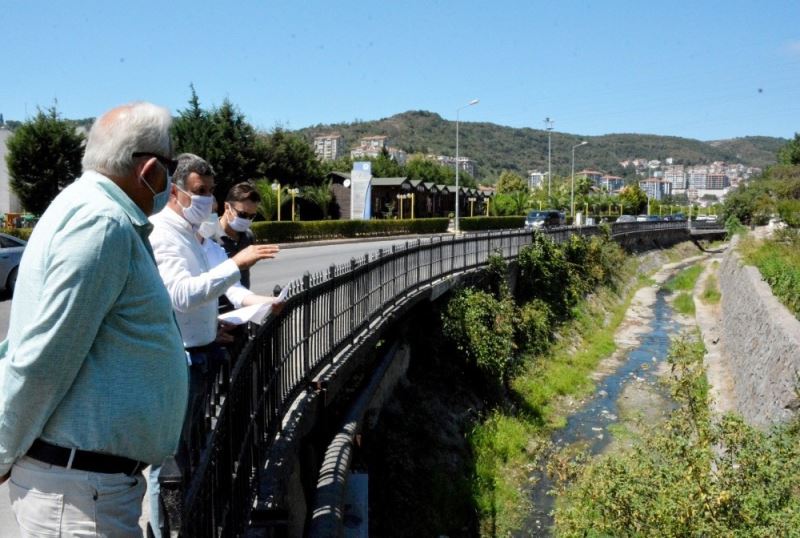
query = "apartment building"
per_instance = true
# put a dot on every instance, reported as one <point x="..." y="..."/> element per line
<point x="611" y="183"/>
<point x="676" y="174"/>
<point x="717" y="181"/>
<point x="370" y="147"/>
<point x="536" y="179"/>
<point x="329" y="147"/>
<point x="465" y="164"/>
<point x="656" y="188"/>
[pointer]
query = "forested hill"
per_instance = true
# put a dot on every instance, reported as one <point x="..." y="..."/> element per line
<point x="496" y="147"/>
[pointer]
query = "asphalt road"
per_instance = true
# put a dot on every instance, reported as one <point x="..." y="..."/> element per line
<point x="290" y="264"/>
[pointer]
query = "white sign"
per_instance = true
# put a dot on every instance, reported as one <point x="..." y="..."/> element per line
<point x="359" y="190"/>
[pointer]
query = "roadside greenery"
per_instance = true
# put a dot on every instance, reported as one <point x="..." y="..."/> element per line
<point x="692" y="476"/>
<point x="288" y="231"/>
<point x="775" y="192"/>
<point x="778" y="260"/>
<point x="44" y="156"/>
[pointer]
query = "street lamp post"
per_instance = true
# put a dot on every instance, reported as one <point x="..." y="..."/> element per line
<point x="458" y="110"/>
<point x="548" y="124"/>
<point x="471" y="204"/>
<point x="277" y="188"/>
<point x="293" y="192"/>
<point x="572" y="194"/>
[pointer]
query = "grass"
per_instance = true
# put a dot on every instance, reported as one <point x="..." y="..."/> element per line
<point x="684" y="304"/>
<point x="508" y="444"/>
<point x="711" y="294"/>
<point x="685" y="279"/>
<point x="778" y="260"/>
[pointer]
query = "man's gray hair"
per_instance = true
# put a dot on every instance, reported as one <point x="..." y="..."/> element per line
<point x="188" y="163"/>
<point x="119" y="133"/>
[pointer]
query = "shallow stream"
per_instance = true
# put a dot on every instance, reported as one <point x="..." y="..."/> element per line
<point x="588" y="425"/>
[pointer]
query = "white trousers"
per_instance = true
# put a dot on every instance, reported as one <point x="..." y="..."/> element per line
<point x="54" y="501"/>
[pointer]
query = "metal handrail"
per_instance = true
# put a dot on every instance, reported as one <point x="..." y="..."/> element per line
<point x="212" y="494"/>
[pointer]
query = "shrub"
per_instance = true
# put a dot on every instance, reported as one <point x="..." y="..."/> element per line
<point x="482" y="328"/>
<point x="534" y="327"/>
<point x="22" y="233"/>
<point x="287" y="231"/>
<point x="734" y="226"/>
<point x="690" y="477"/>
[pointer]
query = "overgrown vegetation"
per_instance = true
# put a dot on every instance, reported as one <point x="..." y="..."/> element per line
<point x="488" y="326"/>
<point x="690" y="476"/>
<point x="711" y="293"/>
<point x="778" y="260"/>
<point x="775" y="192"/>
<point x="684" y="280"/>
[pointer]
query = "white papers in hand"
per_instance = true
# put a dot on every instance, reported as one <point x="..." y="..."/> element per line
<point x="255" y="313"/>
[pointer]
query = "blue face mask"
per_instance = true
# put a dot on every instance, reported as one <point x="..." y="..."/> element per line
<point x="160" y="199"/>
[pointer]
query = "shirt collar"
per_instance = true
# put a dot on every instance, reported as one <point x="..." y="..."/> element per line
<point x="135" y="214"/>
<point x="169" y="215"/>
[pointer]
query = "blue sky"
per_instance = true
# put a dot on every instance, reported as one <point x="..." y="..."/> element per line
<point x="697" y="69"/>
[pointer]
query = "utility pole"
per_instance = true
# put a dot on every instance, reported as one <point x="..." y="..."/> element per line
<point x="548" y="124"/>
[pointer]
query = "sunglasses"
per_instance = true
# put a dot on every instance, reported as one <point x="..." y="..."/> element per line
<point x="170" y="164"/>
<point x="244" y="214"/>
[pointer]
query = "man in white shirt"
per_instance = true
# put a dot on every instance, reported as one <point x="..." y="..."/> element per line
<point x="194" y="284"/>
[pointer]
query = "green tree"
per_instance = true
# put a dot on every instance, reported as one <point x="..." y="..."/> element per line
<point x="44" y="156"/>
<point x="633" y="199"/>
<point x="790" y="153"/>
<point x="320" y="195"/>
<point x="223" y="138"/>
<point x="510" y="182"/>
<point x="289" y="159"/>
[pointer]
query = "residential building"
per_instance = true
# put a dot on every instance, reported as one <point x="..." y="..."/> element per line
<point x="697" y="177"/>
<point x="536" y="179"/>
<point x="329" y="147"/>
<point x="372" y="146"/>
<point x="9" y="203"/>
<point x="717" y="181"/>
<point x="465" y="164"/>
<point x="611" y="183"/>
<point x="656" y="188"/>
<point x="592" y="175"/>
<point x="676" y="175"/>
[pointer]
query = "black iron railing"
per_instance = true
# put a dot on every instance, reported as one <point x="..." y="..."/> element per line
<point x="211" y="493"/>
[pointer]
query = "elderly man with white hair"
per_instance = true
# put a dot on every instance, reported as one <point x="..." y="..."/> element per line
<point x="93" y="377"/>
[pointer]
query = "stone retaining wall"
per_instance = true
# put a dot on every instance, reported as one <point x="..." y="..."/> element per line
<point x="762" y="341"/>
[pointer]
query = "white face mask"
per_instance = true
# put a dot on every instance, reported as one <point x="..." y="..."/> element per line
<point x="210" y="228"/>
<point x="200" y="208"/>
<point x="238" y="223"/>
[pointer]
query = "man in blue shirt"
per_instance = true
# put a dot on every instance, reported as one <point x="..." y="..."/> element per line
<point x="93" y="378"/>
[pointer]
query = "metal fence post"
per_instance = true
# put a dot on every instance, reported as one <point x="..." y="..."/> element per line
<point x="306" y="323"/>
<point x="331" y="308"/>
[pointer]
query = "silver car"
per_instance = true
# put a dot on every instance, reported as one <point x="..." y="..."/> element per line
<point x="10" y="253"/>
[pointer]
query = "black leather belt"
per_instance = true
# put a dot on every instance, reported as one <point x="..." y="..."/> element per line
<point x="83" y="460"/>
<point x="213" y="346"/>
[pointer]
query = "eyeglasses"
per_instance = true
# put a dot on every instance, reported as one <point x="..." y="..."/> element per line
<point x="244" y="214"/>
<point x="170" y="164"/>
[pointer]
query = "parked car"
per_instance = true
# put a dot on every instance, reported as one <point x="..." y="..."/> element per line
<point x="544" y="219"/>
<point x="675" y="217"/>
<point x="10" y="253"/>
<point x="625" y="218"/>
<point x="648" y="218"/>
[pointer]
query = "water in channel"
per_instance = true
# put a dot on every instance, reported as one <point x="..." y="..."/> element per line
<point x="588" y="426"/>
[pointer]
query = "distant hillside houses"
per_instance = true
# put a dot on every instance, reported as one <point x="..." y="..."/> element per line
<point x="330" y="147"/>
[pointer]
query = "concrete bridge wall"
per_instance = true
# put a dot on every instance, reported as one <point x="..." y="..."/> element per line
<point x="762" y="339"/>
